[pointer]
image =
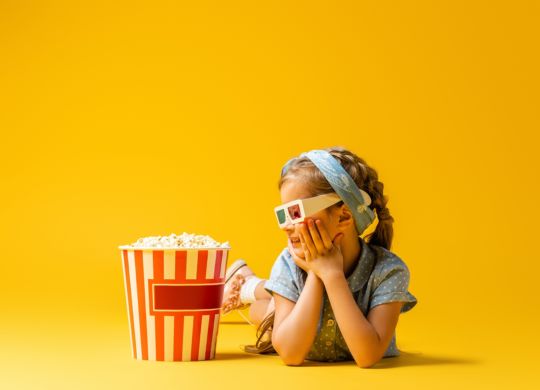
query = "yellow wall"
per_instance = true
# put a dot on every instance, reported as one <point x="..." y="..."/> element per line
<point x="143" y="118"/>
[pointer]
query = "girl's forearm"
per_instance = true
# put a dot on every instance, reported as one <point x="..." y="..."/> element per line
<point x="360" y="336"/>
<point x="296" y="333"/>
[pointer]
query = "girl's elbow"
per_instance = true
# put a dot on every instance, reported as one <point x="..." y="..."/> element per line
<point x="292" y="361"/>
<point x="365" y="365"/>
<point x="287" y="358"/>
<point x="367" y="362"/>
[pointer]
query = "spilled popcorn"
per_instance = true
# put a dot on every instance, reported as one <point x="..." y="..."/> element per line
<point x="184" y="240"/>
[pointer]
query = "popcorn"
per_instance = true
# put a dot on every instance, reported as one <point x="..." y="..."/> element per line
<point x="185" y="240"/>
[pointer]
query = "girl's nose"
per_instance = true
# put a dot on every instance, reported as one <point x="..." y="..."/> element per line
<point x="289" y="227"/>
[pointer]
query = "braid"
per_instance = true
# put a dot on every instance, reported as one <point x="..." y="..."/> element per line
<point x="384" y="232"/>
<point x="368" y="180"/>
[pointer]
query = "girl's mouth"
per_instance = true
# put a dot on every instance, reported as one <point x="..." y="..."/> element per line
<point x="294" y="241"/>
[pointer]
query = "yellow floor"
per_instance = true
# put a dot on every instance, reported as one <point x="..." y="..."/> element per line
<point x="97" y="356"/>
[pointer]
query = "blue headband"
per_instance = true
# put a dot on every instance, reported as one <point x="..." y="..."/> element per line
<point x="342" y="183"/>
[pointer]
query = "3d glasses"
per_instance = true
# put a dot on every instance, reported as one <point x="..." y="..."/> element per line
<point x="297" y="210"/>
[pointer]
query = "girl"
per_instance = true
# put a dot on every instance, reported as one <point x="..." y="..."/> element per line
<point x="332" y="295"/>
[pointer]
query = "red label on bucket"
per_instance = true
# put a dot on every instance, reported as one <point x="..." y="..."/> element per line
<point x="185" y="297"/>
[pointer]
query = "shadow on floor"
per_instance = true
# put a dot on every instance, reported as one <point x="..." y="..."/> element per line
<point x="419" y="359"/>
<point x="406" y="359"/>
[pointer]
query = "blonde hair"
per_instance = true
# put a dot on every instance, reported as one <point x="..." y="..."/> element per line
<point x="366" y="178"/>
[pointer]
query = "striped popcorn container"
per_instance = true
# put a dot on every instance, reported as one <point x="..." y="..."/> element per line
<point x="173" y="301"/>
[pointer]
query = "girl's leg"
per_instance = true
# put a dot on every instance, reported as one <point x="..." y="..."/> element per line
<point x="260" y="292"/>
<point x="263" y="305"/>
<point x="260" y="309"/>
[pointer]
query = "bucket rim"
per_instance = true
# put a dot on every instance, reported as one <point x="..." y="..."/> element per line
<point x="147" y="248"/>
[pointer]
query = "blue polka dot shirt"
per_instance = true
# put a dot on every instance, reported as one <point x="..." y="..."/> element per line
<point x="379" y="277"/>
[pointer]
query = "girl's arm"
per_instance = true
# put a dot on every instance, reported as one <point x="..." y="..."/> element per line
<point x="295" y="325"/>
<point x="367" y="339"/>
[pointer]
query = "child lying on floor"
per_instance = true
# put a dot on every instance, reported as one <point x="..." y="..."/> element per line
<point x="332" y="295"/>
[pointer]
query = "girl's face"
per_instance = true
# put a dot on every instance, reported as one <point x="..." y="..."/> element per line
<point x="292" y="190"/>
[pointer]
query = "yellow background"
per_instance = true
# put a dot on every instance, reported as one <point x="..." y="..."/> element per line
<point x="126" y="119"/>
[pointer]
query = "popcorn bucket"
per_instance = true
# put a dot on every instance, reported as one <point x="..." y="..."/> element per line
<point x="173" y="300"/>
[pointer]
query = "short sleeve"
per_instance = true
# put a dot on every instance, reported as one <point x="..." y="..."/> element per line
<point x="282" y="279"/>
<point x="392" y="285"/>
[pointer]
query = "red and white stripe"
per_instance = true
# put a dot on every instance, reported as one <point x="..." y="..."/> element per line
<point x="179" y="331"/>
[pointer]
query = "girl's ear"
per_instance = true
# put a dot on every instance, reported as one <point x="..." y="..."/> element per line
<point x="345" y="216"/>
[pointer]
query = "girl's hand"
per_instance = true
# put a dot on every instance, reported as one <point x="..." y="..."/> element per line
<point x="299" y="261"/>
<point x="323" y="256"/>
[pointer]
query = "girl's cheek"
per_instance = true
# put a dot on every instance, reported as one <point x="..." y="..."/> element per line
<point x="299" y="252"/>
